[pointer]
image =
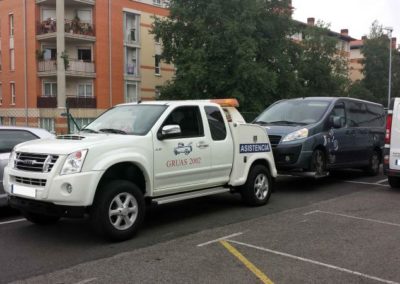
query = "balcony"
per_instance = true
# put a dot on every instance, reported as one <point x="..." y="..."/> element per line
<point x="75" y="30"/>
<point x="67" y="2"/>
<point x="75" y="68"/>
<point x="47" y="102"/>
<point x="81" y="102"/>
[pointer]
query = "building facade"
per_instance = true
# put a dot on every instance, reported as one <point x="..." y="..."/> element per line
<point x="84" y="55"/>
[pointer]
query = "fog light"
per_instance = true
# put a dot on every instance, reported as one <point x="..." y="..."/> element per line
<point x="287" y="158"/>
<point x="68" y="188"/>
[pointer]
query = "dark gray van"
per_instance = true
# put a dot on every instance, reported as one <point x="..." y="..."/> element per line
<point x="310" y="136"/>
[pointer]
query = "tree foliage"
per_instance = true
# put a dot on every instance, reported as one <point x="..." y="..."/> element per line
<point x="376" y="65"/>
<point x="244" y="49"/>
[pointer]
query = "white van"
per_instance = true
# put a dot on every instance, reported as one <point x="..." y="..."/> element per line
<point x="391" y="158"/>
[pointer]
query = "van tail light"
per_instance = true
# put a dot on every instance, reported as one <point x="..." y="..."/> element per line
<point x="388" y="128"/>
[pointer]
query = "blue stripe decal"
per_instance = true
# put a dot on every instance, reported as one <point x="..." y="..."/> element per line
<point x="254" y="148"/>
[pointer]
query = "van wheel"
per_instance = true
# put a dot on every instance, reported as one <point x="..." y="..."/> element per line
<point x="40" y="219"/>
<point x="374" y="162"/>
<point x="258" y="187"/>
<point x="118" y="210"/>
<point x="318" y="163"/>
<point x="394" y="182"/>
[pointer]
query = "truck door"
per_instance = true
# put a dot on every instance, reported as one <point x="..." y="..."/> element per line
<point x="182" y="162"/>
<point x="221" y="146"/>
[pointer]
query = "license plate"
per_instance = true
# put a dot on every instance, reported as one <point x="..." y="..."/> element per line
<point x="23" y="190"/>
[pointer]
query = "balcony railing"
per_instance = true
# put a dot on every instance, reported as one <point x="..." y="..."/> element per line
<point x="47" y="102"/>
<point x="47" y="66"/>
<point x="74" y="26"/>
<point x="74" y="66"/>
<point x="81" y="102"/>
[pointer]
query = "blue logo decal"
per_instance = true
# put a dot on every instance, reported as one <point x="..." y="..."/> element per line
<point x="254" y="148"/>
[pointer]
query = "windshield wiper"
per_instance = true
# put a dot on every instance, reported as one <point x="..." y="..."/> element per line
<point x="88" y="130"/>
<point x="260" y="122"/>
<point x="287" y="122"/>
<point x="112" y="130"/>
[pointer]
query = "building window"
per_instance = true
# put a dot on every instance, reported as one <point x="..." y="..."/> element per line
<point x="1" y="120"/>
<point x="131" y="61"/>
<point x="11" y="23"/>
<point x="131" y="27"/>
<point x="47" y="123"/>
<point x="49" y="53"/>
<point x="12" y="121"/>
<point x="12" y="60"/>
<point x="85" y="54"/>
<point x="49" y="89"/>
<point x="131" y="92"/>
<point x="12" y="92"/>
<point x="157" y="60"/>
<point x="85" y="90"/>
<point x="1" y="94"/>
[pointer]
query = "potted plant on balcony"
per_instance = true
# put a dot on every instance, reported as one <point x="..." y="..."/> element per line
<point x="65" y="57"/>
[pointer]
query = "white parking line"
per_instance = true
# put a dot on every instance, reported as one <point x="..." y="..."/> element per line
<point x="353" y="217"/>
<point x="12" y="221"/>
<point x="220" y="239"/>
<point x="367" y="183"/>
<point x="382" y="181"/>
<point x="86" y="281"/>
<point x="315" y="262"/>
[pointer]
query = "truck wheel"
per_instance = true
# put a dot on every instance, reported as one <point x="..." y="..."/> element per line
<point x="258" y="187"/>
<point x="118" y="210"/>
<point x="318" y="163"/>
<point x="374" y="161"/>
<point x="394" y="182"/>
<point x="40" y="219"/>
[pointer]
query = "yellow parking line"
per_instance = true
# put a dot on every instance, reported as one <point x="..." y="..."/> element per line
<point x="246" y="262"/>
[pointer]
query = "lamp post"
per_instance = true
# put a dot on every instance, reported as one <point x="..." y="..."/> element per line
<point x="389" y="33"/>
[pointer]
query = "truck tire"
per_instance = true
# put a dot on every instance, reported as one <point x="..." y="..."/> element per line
<point x="258" y="187"/>
<point x="374" y="162"/>
<point x="118" y="210"/>
<point x="40" y="219"/>
<point x="394" y="182"/>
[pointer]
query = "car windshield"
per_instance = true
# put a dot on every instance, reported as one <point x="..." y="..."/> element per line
<point x="127" y="119"/>
<point x="10" y="138"/>
<point x="293" y="112"/>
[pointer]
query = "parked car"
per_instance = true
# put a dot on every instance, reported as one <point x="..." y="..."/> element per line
<point x="311" y="136"/>
<point x="9" y="137"/>
<point x="391" y="158"/>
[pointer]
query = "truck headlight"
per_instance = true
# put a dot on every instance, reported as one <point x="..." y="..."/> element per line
<point x="74" y="162"/>
<point x="11" y="160"/>
<point x="299" y="134"/>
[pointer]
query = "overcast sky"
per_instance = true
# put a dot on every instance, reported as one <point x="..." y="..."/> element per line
<point x="355" y="15"/>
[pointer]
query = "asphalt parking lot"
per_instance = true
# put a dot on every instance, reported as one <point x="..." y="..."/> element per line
<point x="351" y="238"/>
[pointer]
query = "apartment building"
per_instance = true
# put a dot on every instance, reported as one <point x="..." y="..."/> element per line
<point x="84" y="55"/>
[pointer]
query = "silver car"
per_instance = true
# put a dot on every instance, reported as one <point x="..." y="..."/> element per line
<point x="9" y="137"/>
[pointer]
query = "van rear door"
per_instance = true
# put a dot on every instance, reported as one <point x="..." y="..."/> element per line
<point x="394" y="158"/>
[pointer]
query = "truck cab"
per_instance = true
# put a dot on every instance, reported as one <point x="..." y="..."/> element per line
<point x="141" y="153"/>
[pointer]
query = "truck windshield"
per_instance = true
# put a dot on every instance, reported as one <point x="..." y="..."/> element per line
<point x="127" y="119"/>
<point x="293" y="112"/>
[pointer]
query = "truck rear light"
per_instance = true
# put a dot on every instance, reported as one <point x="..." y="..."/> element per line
<point x="386" y="159"/>
<point x="388" y="128"/>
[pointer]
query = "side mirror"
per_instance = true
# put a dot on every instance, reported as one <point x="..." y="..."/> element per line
<point x="336" y="121"/>
<point x="169" y="131"/>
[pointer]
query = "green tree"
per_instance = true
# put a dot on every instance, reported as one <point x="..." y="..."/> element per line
<point x="322" y="70"/>
<point x="235" y="48"/>
<point x="376" y="65"/>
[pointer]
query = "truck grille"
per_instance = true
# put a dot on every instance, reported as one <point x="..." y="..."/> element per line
<point x="35" y="162"/>
<point x="274" y="139"/>
<point x="31" y="181"/>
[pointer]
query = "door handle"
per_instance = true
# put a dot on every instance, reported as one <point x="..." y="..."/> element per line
<point x="202" y="145"/>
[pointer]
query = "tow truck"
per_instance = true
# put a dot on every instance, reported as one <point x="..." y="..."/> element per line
<point x="137" y="154"/>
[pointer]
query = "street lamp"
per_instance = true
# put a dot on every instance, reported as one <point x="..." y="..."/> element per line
<point x="389" y="33"/>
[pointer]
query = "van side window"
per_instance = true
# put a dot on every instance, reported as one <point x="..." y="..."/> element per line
<point x="356" y="114"/>
<point x="189" y="120"/>
<point x="216" y="123"/>
<point x="375" y="116"/>
<point x="339" y="111"/>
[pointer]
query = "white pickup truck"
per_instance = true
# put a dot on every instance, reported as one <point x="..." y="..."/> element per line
<point x="137" y="153"/>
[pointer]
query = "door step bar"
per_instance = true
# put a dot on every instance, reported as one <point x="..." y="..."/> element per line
<point x="305" y="174"/>
<point x="189" y="195"/>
